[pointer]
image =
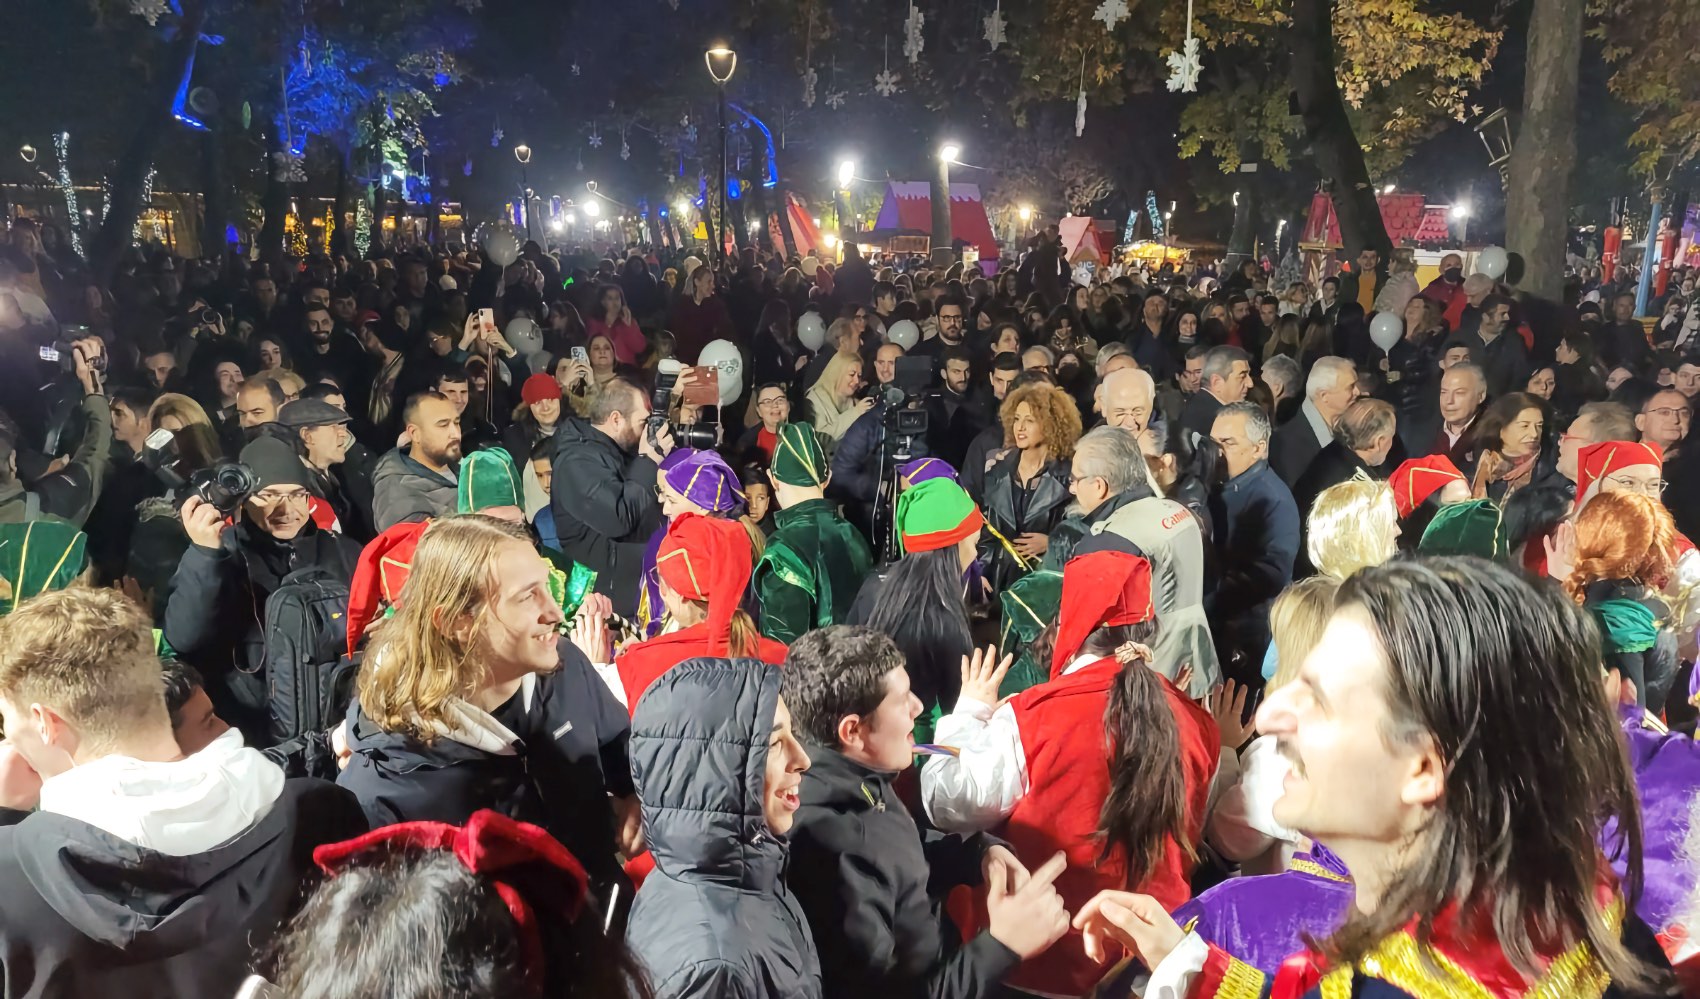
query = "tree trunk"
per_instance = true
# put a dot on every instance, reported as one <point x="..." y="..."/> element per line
<point x="1332" y="140"/>
<point x="943" y="248"/>
<point x="375" y="230"/>
<point x="342" y="240"/>
<point x="1537" y="202"/>
<point x="130" y="173"/>
<point x="274" y="203"/>
<point x="215" y="196"/>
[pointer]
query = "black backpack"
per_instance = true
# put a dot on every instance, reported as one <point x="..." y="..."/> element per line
<point x="309" y="679"/>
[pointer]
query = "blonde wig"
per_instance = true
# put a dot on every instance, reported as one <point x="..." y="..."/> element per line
<point x="1352" y="526"/>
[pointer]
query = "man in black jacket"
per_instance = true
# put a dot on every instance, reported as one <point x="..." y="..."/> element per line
<point x="871" y="884"/>
<point x="145" y="871"/>
<point x="604" y="497"/>
<point x="215" y="614"/>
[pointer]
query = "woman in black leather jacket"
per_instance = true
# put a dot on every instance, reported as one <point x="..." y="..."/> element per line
<point x="1026" y="488"/>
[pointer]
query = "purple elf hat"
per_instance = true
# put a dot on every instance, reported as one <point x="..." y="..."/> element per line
<point x="921" y="469"/>
<point x="704" y="478"/>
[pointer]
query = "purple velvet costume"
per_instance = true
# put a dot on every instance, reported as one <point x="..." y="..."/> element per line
<point x="1263" y="920"/>
<point x="704" y="478"/>
<point x="1667" y="777"/>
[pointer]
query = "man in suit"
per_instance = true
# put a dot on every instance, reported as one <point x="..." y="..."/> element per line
<point x="1330" y="388"/>
<point x="1463" y="389"/>
<point x="1226" y="378"/>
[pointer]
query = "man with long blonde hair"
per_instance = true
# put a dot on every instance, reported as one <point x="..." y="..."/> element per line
<point x="469" y="698"/>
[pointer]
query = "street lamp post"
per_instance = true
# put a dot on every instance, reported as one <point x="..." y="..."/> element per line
<point x="522" y="152"/>
<point x="722" y="63"/>
<point x="944" y="252"/>
<point x="846" y="177"/>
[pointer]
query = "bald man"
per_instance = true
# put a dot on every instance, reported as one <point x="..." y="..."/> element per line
<point x="1124" y="399"/>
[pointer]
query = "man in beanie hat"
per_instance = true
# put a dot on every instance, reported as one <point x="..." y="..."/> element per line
<point x="815" y="562"/>
<point x="215" y="615"/>
<point x="704" y="568"/>
<point x="1033" y="771"/>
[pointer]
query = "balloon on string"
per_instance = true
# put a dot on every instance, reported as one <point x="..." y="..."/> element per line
<point x="691" y="264"/>
<point x="501" y="241"/>
<point x="723" y="355"/>
<point x="811" y="330"/>
<point x="809" y="266"/>
<point x="524" y="336"/>
<point x="904" y="333"/>
<point x="1493" y="262"/>
<point x="1386" y="329"/>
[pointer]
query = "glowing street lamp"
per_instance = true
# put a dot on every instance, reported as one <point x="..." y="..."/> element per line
<point x="722" y="63"/>
<point x="846" y="174"/>
<point x="522" y="152"/>
<point x="592" y="208"/>
<point x="1026" y="213"/>
<point x="943" y="248"/>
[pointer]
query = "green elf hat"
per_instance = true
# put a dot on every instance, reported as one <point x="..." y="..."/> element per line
<point x="487" y="479"/>
<point x="797" y="457"/>
<point x="934" y="514"/>
<point x="37" y="556"/>
<point x="1476" y="527"/>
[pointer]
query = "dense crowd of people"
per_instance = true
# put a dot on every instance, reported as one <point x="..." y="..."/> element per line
<point x="631" y="626"/>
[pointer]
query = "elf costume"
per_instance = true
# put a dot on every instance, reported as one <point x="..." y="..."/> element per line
<point x="1036" y="771"/>
<point x="815" y="562"/>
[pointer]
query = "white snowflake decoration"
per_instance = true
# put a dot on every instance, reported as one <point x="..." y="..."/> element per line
<point x="810" y="78"/>
<point x="1080" y="115"/>
<point x="1184" y="67"/>
<point x="835" y="99"/>
<point x="289" y="167"/>
<point x="149" y="10"/>
<point x="1111" y="12"/>
<point x="685" y="120"/>
<point x="595" y="139"/>
<point x="690" y="133"/>
<point x="625" y="149"/>
<point x="496" y="137"/>
<point x="913" y="43"/>
<point x="575" y="67"/>
<point x="886" y="83"/>
<point x="995" y="25"/>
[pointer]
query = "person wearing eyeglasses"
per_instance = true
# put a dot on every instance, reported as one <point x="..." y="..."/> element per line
<point x="215" y="616"/>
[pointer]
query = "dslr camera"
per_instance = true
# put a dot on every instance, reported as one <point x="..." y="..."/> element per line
<point x="223" y="485"/>
<point x="702" y="434"/>
<point x="61" y="353"/>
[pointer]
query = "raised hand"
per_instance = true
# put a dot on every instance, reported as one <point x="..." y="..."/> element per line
<point x="1028" y="919"/>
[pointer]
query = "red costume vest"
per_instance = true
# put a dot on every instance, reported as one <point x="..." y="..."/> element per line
<point x="642" y="664"/>
<point x="1068" y="775"/>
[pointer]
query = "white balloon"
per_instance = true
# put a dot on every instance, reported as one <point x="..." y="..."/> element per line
<point x="524" y="336"/>
<point x="904" y="333"/>
<point x="810" y="265"/>
<point x="1493" y="261"/>
<point x="811" y="330"/>
<point x="723" y="355"/>
<point x="690" y="265"/>
<point x="1386" y="329"/>
<point x="501" y="241"/>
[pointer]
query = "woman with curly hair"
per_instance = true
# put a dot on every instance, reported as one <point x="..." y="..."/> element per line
<point x="1026" y="487"/>
<point x="1625" y="543"/>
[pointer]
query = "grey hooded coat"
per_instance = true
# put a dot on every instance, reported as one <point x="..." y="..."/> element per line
<point x="714" y="920"/>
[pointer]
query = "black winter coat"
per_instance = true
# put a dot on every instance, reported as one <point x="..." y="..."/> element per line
<point x="873" y="885"/>
<point x="605" y="508"/>
<point x="571" y="756"/>
<point x="88" y="914"/>
<point x="715" y="920"/>
<point x="216" y="605"/>
<point x="1333" y="465"/>
<point x="1046" y="502"/>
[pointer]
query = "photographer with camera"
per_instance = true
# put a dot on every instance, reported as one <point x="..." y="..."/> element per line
<point x="249" y="532"/>
<point x="71" y="485"/>
<point x="604" y="501"/>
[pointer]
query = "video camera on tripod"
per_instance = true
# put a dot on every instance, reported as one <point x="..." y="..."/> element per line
<point x="905" y="422"/>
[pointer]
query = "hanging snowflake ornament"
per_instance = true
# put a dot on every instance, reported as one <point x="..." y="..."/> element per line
<point x="995" y="25"/>
<point x="1184" y="67"/>
<point x="149" y="10"/>
<point x="886" y="83"/>
<point x="685" y="120"/>
<point x="835" y="99"/>
<point x="913" y="43"/>
<point x="496" y="138"/>
<point x="466" y="170"/>
<point x="595" y="139"/>
<point x="690" y="133"/>
<point x="575" y="67"/>
<point x="1080" y="115"/>
<point x="1111" y="12"/>
<point x="625" y="147"/>
<point x="289" y="168"/>
<point x="810" y="78"/>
